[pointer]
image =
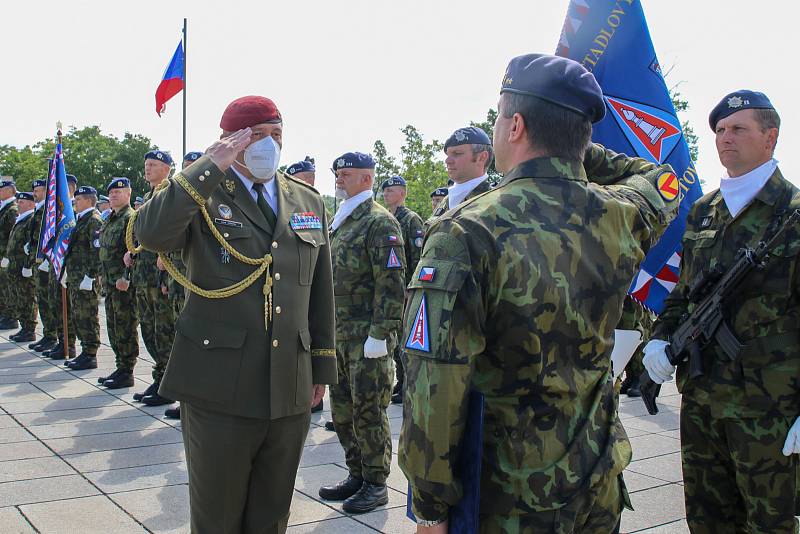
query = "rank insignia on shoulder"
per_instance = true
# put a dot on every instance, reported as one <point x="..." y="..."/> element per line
<point x="225" y="211"/>
<point x="427" y="274"/>
<point x="393" y="262"/>
<point x="706" y="222"/>
<point x="419" y="338"/>
<point x="230" y="186"/>
<point x="307" y="220"/>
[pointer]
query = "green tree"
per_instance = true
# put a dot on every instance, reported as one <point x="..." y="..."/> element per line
<point x="681" y="105"/>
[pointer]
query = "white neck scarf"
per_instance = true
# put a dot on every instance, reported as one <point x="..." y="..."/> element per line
<point x="347" y="207"/>
<point x="456" y="193"/>
<point x="738" y="192"/>
<point x="39" y="205"/>
<point x="22" y="216"/>
<point x="6" y="202"/>
<point x="84" y="212"/>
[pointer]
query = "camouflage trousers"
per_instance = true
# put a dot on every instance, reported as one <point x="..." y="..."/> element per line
<point x="157" y="321"/>
<point x="399" y="366"/>
<point x="54" y="302"/>
<point x="6" y="307"/>
<point x="23" y="300"/>
<point x="358" y="407"/>
<point x="121" y="324"/>
<point x="635" y="366"/>
<point x="597" y="511"/>
<point x="46" y="312"/>
<point x="736" y="479"/>
<point x="84" y="322"/>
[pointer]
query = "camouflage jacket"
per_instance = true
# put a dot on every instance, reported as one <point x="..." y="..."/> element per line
<point x="15" y="248"/>
<point x="176" y="291"/>
<point x="83" y="256"/>
<point x="444" y="204"/>
<point x="413" y="233"/>
<point x="145" y="271"/>
<point x="516" y="296"/>
<point x="763" y="313"/>
<point x="112" y="245"/>
<point x="368" y="273"/>
<point x="8" y="215"/>
<point x="34" y="234"/>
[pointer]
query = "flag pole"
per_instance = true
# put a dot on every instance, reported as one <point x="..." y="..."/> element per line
<point x="64" y="317"/>
<point x="184" y="88"/>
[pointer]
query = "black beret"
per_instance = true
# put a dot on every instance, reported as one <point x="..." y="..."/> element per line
<point x="192" y="156"/>
<point x="439" y="192"/>
<point x="354" y="160"/>
<point x="470" y="135"/>
<point x="159" y="155"/>
<point x="300" y="166"/>
<point x="86" y="190"/>
<point x="71" y="178"/>
<point x="394" y="180"/>
<point x="102" y="198"/>
<point x="39" y="183"/>
<point x="737" y="101"/>
<point x="118" y="183"/>
<point x="557" y="80"/>
<point x="23" y="195"/>
<point x="7" y="183"/>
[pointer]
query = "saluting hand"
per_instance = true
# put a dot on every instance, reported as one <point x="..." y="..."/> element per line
<point x="224" y="151"/>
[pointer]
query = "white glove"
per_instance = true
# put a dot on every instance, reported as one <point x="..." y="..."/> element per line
<point x="375" y="348"/>
<point x="26" y="273"/>
<point x="44" y="266"/>
<point x="656" y="361"/>
<point x="4" y="263"/>
<point x="27" y="248"/>
<point x="86" y="283"/>
<point x="792" y="443"/>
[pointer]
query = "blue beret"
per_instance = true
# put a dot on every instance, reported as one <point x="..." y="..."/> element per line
<point x="118" y="183"/>
<point x="22" y="195"/>
<point x="470" y="135"/>
<point x="557" y="80"/>
<point x="159" y="155"/>
<point x="140" y="200"/>
<point x="192" y="156"/>
<point x="86" y="190"/>
<point x="102" y="198"/>
<point x="7" y="183"/>
<point x="39" y="183"/>
<point x="394" y="180"/>
<point x="354" y="160"/>
<point x="300" y="166"/>
<point x="71" y="178"/>
<point x="439" y="192"/>
<point x="737" y="101"/>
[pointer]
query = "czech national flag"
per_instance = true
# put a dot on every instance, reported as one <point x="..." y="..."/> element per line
<point x="172" y="83"/>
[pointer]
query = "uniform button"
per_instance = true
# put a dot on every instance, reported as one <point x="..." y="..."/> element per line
<point x="226" y="234"/>
<point x="275" y="343"/>
<point x="208" y="173"/>
<point x="513" y="434"/>
<point x="206" y="342"/>
<point x="277" y="276"/>
<point x="274" y="244"/>
<point x="202" y="178"/>
<point x="277" y="309"/>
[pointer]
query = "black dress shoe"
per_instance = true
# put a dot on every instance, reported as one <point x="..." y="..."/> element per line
<point x="46" y="343"/>
<point x="329" y="426"/>
<point x="369" y="497"/>
<point x="633" y="389"/>
<point x="152" y="388"/>
<point x="101" y="379"/>
<point x="154" y="399"/>
<point x="319" y="407"/>
<point x="173" y="413"/>
<point x="124" y="379"/>
<point x="83" y="362"/>
<point x="343" y="490"/>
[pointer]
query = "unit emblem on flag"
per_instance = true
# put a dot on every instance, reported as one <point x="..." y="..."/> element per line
<point x="426" y="274"/>
<point x="652" y="132"/>
<point x="393" y="262"/>
<point x="419" y="338"/>
<point x="668" y="186"/>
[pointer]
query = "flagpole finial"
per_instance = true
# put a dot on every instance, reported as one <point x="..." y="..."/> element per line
<point x="59" y="127"/>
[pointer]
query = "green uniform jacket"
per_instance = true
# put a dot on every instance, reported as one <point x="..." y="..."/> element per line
<point x="413" y="235"/>
<point x="15" y="248"/>
<point x="112" y="246"/>
<point x="368" y="273"/>
<point x="223" y="358"/>
<point x="764" y="312"/>
<point x="8" y="215"/>
<point x="145" y="271"/>
<point x="36" y="228"/>
<point x="83" y="255"/>
<point x="444" y="204"/>
<point x="516" y="296"/>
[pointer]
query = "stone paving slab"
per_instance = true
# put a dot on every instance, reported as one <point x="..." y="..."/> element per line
<point x="89" y="515"/>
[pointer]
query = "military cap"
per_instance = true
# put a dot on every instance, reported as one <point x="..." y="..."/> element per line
<point x="140" y="200"/>
<point x="354" y="160"/>
<point x="159" y="155"/>
<point x="71" y="178"/>
<point x="192" y="156"/>
<point x="394" y="180"/>
<point x="102" y="198"/>
<point x="39" y="183"/>
<point x="86" y="190"/>
<point x="471" y="135"/>
<point x="737" y="101"/>
<point x="118" y="183"/>
<point x="558" y="80"/>
<point x="248" y="111"/>
<point x="24" y="195"/>
<point x="7" y="183"/>
<point x="439" y="192"/>
<point x="300" y="166"/>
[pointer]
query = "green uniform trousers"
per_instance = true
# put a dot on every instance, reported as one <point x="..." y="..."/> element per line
<point x="121" y="324"/>
<point x="157" y="320"/>
<point x="84" y="322"/>
<point x="358" y="408"/>
<point x="6" y="307"/>
<point x="23" y="300"/>
<point x="241" y="470"/>
<point x="736" y="479"/>
<point x="46" y="311"/>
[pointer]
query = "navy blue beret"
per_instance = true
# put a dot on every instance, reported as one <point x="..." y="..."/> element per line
<point x="354" y="160"/>
<point x="23" y="195"/>
<point x="71" y="178"/>
<point x="86" y="190"/>
<point x="39" y="183"/>
<point x="470" y="135"/>
<point x="118" y="183"/>
<point x="192" y="156"/>
<point x="102" y="198"/>
<point x="439" y="192"/>
<point x="394" y="180"/>
<point x="159" y="155"/>
<point x="140" y="200"/>
<point x="7" y="183"/>
<point x="557" y="80"/>
<point x="301" y="166"/>
<point x="737" y="101"/>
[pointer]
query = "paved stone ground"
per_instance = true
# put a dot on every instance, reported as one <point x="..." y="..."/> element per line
<point x="75" y="458"/>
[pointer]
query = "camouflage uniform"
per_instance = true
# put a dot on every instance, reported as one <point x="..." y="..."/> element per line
<point x="443" y="206"/>
<point x="21" y="289"/>
<point x="7" y="217"/>
<point x="527" y="318"/>
<point x="368" y="269"/>
<point x="121" y="319"/>
<point x="55" y="304"/>
<point x="155" y="310"/>
<point x="82" y="260"/>
<point x="46" y="312"/>
<point x="735" y="418"/>
<point x="175" y="291"/>
<point x="636" y="317"/>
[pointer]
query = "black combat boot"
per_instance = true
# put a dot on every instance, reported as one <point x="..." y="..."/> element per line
<point x="173" y="413"/>
<point x="46" y="343"/>
<point x="155" y="399"/>
<point x="633" y="388"/>
<point x="369" y="497"/>
<point x="152" y="388"/>
<point x="83" y="362"/>
<point x="23" y="336"/>
<point x="112" y="376"/>
<point x="124" y="379"/>
<point x="343" y="490"/>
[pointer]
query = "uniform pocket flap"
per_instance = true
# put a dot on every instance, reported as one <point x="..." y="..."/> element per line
<point x="438" y="274"/>
<point x="229" y="229"/>
<point x="703" y="238"/>
<point x="315" y="238"/>
<point x="305" y="339"/>
<point x="211" y="335"/>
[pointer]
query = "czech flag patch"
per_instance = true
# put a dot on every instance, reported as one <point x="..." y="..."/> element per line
<point x="419" y="338"/>
<point x="426" y="274"/>
<point x="392" y="239"/>
<point x="393" y="262"/>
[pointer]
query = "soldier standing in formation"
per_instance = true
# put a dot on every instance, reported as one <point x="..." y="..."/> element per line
<point x="304" y="171"/>
<point x="8" y="216"/>
<point x="19" y="274"/>
<point x="48" y="315"/>
<point x="437" y="195"/>
<point x="368" y="274"/>
<point x="738" y="413"/>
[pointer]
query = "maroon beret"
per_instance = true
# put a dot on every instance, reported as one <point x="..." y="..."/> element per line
<point x="248" y="111"/>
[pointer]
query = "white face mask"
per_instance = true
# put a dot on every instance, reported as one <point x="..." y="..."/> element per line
<point x="262" y="158"/>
